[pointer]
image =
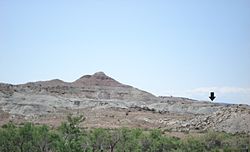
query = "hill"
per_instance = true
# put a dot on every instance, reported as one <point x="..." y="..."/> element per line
<point x="108" y="103"/>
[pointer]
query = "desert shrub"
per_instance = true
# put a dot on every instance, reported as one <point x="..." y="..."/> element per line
<point x="8" y="138"/>
<point x="192" y="144"/>
<point x="26" y="138"/>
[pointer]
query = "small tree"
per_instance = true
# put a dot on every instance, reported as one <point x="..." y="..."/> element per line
<point x="113" y="139"/>
<point x="71" y="134"/>
<point x="99" y="139"/>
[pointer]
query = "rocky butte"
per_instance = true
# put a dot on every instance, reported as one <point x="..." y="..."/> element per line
<point x="108" y="103"/>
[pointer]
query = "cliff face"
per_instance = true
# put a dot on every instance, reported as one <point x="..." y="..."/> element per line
<point x="108" y="103"/>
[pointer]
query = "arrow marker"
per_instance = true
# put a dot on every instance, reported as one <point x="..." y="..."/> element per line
<point x="212" y="97"/>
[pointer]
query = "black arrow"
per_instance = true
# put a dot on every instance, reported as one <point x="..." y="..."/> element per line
<point x="212" y="97"/>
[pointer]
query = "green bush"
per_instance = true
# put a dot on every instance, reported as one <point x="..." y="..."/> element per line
<point x="69" y="137"/>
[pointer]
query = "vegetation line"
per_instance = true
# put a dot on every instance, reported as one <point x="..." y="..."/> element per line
<point x="69" y="137"/>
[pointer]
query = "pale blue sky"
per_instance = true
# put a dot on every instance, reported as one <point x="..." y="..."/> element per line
<point x="168" y="47"/>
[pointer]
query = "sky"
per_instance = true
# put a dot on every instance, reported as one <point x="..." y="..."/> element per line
<point x="169" y="47"/>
